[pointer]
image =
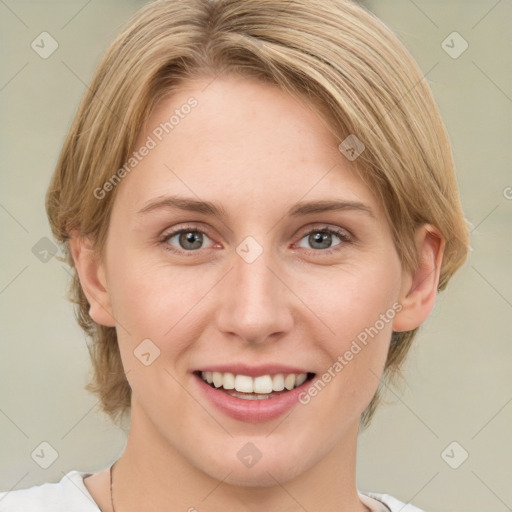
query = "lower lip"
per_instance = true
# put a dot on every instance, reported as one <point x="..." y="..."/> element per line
<point x="253" y="411"/>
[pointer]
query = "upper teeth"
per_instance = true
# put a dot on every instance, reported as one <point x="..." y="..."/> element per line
<point x="262" y="384"/>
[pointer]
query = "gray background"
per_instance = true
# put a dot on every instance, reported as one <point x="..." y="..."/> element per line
<point x="458" y="379"/>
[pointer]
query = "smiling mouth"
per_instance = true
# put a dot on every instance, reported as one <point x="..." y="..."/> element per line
<point x="254" y="388"/>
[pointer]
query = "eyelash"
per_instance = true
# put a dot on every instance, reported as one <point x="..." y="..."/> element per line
<point x="342" y="235"/>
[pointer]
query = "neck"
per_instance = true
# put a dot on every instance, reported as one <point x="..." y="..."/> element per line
<point x="154" y="475"/>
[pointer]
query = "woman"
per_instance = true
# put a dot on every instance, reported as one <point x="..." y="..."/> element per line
<point x="259" y="203"/>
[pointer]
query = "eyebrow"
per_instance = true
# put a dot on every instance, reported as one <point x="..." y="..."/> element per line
<point x="209" y="208"/>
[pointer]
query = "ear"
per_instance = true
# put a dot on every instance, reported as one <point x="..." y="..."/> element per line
<point x="419" y="288"/>
<point x="92" y="278"/>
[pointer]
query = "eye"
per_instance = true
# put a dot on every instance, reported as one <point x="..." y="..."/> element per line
<point x="185" y="239"/>
<point x="322" y="238"/>
<point x="191" y="239"/>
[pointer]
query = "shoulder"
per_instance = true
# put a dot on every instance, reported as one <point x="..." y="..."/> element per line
<point x="377" y="502"/>
<point x="68" y="494"/>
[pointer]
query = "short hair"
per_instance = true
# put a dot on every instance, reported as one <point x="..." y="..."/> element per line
<point x="333" y="54"/>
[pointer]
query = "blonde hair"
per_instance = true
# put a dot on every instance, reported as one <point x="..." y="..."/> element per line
<point x="333" y="54"/>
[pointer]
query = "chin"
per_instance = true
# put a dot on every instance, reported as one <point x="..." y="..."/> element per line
<point x="260" y="475"/>
<point x="266" y="471"/>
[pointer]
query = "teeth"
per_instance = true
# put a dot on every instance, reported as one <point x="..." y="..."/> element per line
<point x="228" y="382"/>
<point x="217" y="379"/>
<point x="289" y="381"/>
<point x="300" y="379"/>
<point x="249" y="396"/>
<point x="262" y="385"/>
<point x="244" y="384"/>
<point x="278" y="382"/>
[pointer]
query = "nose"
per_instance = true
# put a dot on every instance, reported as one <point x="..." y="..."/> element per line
<point x="255" y="304"/>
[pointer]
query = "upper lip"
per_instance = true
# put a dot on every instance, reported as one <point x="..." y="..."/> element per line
<point x="252" y="370"/>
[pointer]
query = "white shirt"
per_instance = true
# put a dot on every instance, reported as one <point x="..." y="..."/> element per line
<point x="71" y="495"/>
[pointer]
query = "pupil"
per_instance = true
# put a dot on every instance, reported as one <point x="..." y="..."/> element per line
<point x="323" y="239"/>
<point x="191" y="238"/>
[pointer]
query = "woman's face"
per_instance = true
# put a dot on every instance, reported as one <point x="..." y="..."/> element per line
<point x="259" y="284"/>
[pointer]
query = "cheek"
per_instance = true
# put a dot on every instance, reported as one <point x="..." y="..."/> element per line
<point x="154" y="309"/>
<point x="358" y="306"/>
<point x="152" y="295"/>
<point x="352" y="299"/>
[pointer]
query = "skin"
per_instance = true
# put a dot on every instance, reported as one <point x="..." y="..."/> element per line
<point x="256" y="151"/>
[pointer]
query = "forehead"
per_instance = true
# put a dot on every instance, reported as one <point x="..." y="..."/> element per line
<point x="240" y="138"/>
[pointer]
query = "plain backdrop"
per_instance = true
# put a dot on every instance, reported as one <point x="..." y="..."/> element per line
<point x="457" y="399"/>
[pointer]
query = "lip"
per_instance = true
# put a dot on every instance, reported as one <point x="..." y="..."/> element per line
<point x="251" y="411"/>
<point x="252" y="371"/>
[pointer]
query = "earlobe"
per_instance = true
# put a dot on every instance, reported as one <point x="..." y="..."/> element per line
<point x="419" y="288"/>
<point x="92" y="278"/>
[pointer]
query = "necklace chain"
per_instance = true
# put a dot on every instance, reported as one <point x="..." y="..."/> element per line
<point x="111" y="485"/>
